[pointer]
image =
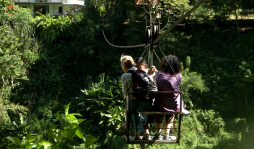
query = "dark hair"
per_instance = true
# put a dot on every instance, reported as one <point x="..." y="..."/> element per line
<point x="171" y="62"/>
<point x="140" y="60"/>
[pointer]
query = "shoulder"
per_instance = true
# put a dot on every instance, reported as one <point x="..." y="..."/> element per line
<point x="126" y="77"/>
<point x="160" y="73"/>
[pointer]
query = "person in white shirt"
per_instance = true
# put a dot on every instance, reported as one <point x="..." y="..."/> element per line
<point x="141" y="63"/>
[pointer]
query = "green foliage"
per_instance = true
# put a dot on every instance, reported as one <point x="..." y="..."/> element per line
<point x="18" y="50"/>
<point x="175" y="41"/>
<point x="245" y="70"/>
<point x="7" y="121"/>
<point x="180" y="6"/>
<point x="114" y="141"/>
<point x="18" y="47"/>
<point x="49" y="27"/>
<point x="64" y="136"/>
<point x="5" y="3"/>
<point x="134" y="29"/>
<point x="52" y="73"/>
<point x="223" y="9"/>
<point x="202" y="127"/>
<point x="10" y="55"/>
<point x="103" y="101"/>
<point x="73" y="49"/>
<point x="191" y="80"/>
<point x="215" y="54"/>
<point x="202" y="14"/>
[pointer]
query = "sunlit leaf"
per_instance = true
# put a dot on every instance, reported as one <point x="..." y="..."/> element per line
<point x="66" y="109"/>
<point x="14" y="140"/>
<point x="79" y="133"/>
<point x="45" y="144"/>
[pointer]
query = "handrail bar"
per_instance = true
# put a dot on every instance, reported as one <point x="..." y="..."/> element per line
<point x="166" y="92"/>
<point x="159" y="113"/>
<point x="163" y="92"/>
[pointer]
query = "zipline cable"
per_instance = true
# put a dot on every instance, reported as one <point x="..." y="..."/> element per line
<point x="156" y="55"/>
<point x="180" y="20"/>
<point x="144" y="52"/>
<point x="223" y="59"/>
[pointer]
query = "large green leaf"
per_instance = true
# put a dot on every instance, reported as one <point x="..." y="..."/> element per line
<point x="72" y="118"/>
<point x="69" y="133"/>
<point x="14" y="140"/>
<point x="90" y="140"/>
<point x="81" y="120"/>
<point x="79" y="133"/>
<point x="64" y="121"/>
<point x="66" y="109"/>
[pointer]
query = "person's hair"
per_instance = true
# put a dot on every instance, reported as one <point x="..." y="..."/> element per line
<point x="127" y="61"/>
<point x="140" y="60"/>
<point x="170" y="62"/>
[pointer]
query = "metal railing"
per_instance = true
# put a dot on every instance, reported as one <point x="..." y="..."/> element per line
<point x="175" y="130"/>
<point x="40" y="1"/>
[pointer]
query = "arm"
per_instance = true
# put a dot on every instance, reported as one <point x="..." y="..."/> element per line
<point x="152" y="73"/>
<point x="126" y="82"/>
<point x="152" y="70"/>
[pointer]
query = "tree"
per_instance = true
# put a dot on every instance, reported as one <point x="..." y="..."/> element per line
<point x="18" y="49"/>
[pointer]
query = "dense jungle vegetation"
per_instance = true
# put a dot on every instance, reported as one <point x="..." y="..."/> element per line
<point x="60" y="81"/>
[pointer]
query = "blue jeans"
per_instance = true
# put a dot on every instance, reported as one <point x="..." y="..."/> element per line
<point x="138" y="119"/>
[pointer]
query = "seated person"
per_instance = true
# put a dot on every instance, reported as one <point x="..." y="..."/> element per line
<point x="141" y="64"/>
<point x="169" y="79"/>
<point x="128" y="64"/>
<point x="145" y="105"/>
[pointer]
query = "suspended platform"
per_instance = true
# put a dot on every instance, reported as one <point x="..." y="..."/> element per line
<point x="175" y="129"/>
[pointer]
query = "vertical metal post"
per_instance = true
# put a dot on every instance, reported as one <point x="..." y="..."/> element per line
<point x="151" y="42"/>
<point x="180" y="118"/>
<point x="179" y="128"/>
<point x="151" y="56"/>
<point x="128" y="117"/>
<point x="181" y="102"/>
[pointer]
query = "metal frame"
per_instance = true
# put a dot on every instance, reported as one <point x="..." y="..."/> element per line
<point x="40" y="1"/>
<point x="128" y="117"/>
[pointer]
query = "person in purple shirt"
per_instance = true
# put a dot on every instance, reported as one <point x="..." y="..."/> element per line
<point x="169" y="79"/>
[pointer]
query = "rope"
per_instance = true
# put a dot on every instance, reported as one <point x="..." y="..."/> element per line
<point x="143" y="52"/>
<point x="156" y="55"/>
<point x="135" y="46"/>
<point x="146" y="54"/>
<point x="223" y="59"/>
